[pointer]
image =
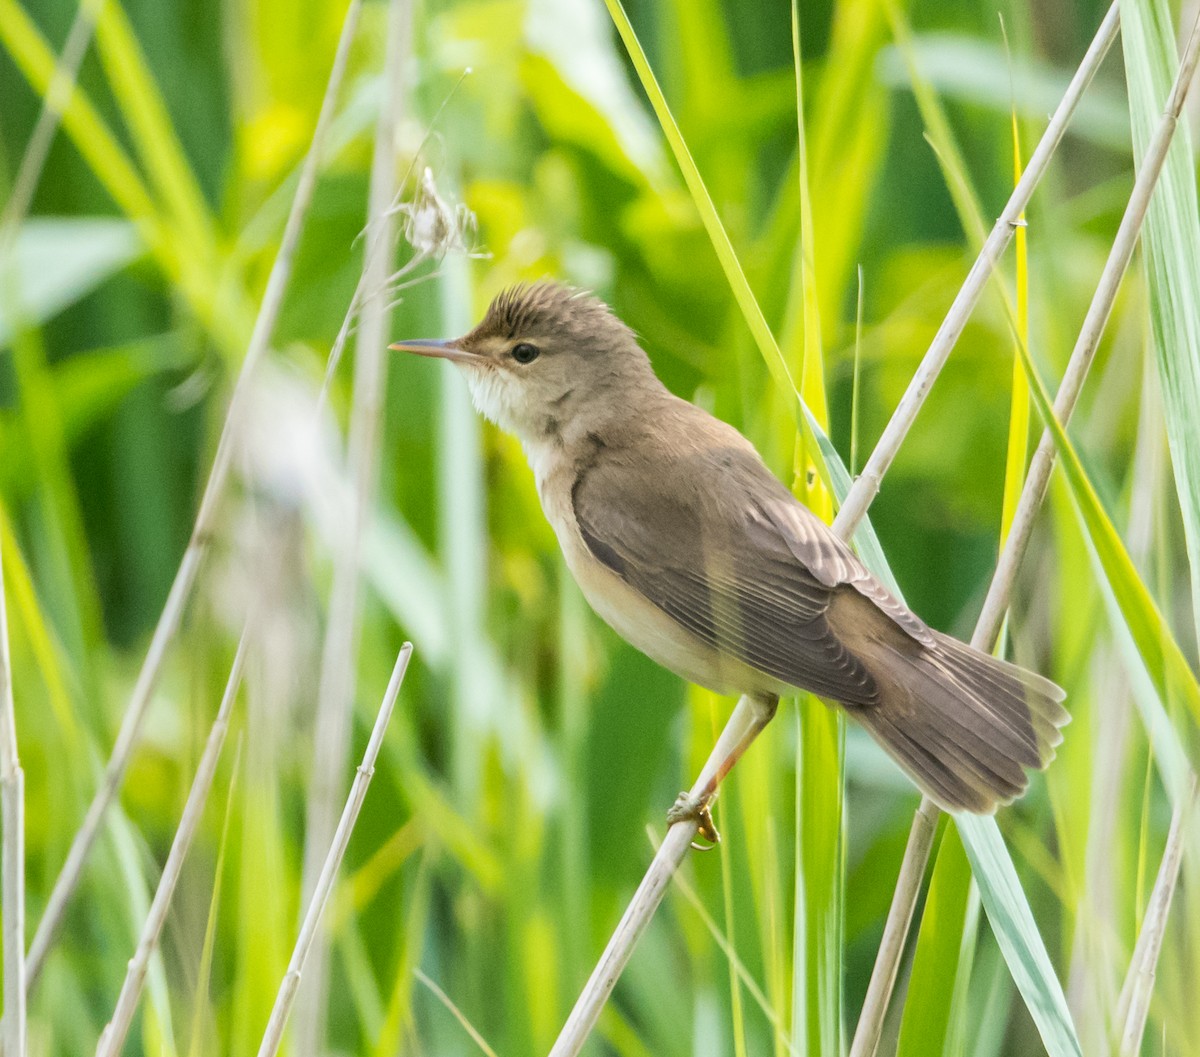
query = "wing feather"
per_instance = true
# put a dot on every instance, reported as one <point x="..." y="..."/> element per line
<point x="753" y="578"/>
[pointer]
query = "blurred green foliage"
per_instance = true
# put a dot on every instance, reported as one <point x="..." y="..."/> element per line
<point x="505" y="828"/>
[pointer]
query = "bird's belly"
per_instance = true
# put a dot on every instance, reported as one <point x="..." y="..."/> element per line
<point x="647" y="628"/>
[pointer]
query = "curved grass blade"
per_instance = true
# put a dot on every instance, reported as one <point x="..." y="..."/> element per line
<point x="864" y="537"/>
<point x="738" y="283"/>
<point x="1017" y="934"/>
<point x="1164" y="660"/>
<point x="1171" y="244"/>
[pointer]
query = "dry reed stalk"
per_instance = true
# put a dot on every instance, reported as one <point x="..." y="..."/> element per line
<point x="112" y="1039"/>
<point x="745" y="721"/>
<point x="920" y="842"/>
<point x="335" y="694"/>
<point x="1134" y="1003"/>
<point x="286" y="997"/>
<point x="12" y="867"/>
<point x="214" y="490"/>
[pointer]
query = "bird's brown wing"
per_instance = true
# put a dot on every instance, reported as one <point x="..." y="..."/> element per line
<point x="720" y="546"/>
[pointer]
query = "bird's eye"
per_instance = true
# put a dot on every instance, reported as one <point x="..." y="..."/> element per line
<point x="525" y="353"/>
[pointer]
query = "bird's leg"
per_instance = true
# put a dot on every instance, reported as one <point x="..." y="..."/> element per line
<point x="751" y="714"/>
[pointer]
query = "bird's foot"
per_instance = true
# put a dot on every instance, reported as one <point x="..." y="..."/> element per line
<point x="687" y="809"/>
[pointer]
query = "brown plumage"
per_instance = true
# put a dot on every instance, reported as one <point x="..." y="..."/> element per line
<point x="683" y="540"/>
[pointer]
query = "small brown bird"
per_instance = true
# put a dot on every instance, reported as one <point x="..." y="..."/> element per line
<point x="683" y="541"/>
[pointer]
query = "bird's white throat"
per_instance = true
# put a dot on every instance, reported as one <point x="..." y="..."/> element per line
<point x="491" y="396"/>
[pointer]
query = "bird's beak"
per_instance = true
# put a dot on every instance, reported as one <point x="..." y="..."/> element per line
<point x="442" y="350"/>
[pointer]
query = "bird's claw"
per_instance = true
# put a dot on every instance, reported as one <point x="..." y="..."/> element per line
<point x="685" y="809"/>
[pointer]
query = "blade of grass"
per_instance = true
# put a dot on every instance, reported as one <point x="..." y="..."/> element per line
<point x="737" y="1015"/>
<point x="362" y="886"/>
<point x="133" y="889"/>
<point x="855" y="413"/>
<point x="1168" y="755"/>
<point x="738" y="283"/>
<point x="189" y="225"/>
<point x="1172" y="254"/>
<point x="820" y="765"/>
<point x="72" y="579"/>
<point x="1018" y="420"/>
<point x="925" y="1025"/>
<point x="1164" y="660"/>
<point x="736" y="965"/>
<point x="1017" y="933"/>
<point x="45" y="648"/>
<point x="817" y="974"/>
<point x="185" y="577"/>
<point x="145" y="112"/>
<point x="848" y="141"/>
<point x="284" y="1001"/>
<point x="457" y="1013"/>
<point x="112" y="167"/>
<point x="399" y="1009"/>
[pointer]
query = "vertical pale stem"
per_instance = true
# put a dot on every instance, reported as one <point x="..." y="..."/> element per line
<point x="335" y="694"/>
<point x="12" y="866"/>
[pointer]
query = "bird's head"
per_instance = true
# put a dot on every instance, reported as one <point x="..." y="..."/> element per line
<point x="547" y="359"/>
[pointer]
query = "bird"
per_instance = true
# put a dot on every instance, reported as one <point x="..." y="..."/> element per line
<point x="687" y="545"/>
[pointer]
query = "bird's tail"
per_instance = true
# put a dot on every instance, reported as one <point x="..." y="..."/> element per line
<point x="961" y="723"/>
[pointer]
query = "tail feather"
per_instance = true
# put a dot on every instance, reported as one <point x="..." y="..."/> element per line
<point x="964" y="725"/>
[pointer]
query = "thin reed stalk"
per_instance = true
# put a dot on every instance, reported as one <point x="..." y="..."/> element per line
<point x="205" y="525"/>
<point x="335" y="695"/>
<point x="112" y="1039"/>
<point x="987" y="628"/>
<point x="12" y="864"/>
<point x="1134" y="1003"/>
<point x="745" y="720"/>
<point x="37" y="150"/>
<point x="286" y="996"/>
